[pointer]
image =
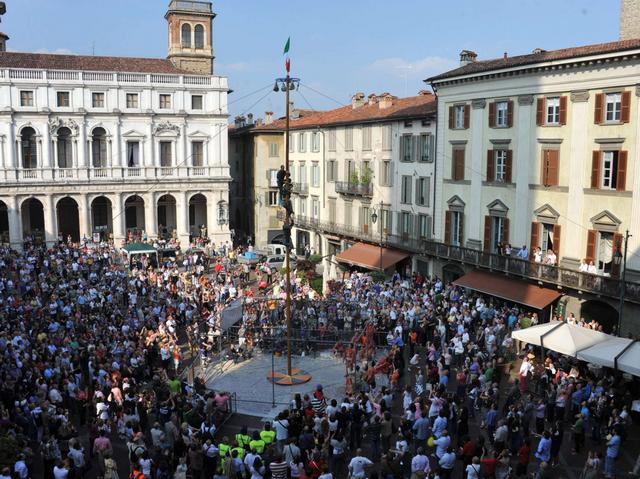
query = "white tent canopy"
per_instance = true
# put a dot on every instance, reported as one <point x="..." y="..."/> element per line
<point x="604" y="353"/>
<point x="561" y="337"/>
<point x="629" y="360"/>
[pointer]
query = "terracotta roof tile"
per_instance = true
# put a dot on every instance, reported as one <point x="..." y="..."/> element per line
<point x="410" y="107"/>
<point x="533" y="58"/>
<point x="48" y="61"/>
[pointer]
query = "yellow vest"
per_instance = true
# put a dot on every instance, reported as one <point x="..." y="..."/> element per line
<point x="243" y="439"/>
<point x="268" y="436"/>
<point x="241" y="452"/>
<point x="258" y="445"/>
<point x="223" y="449"/>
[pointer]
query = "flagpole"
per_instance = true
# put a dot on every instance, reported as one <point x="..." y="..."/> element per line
<point x="287" y="311"/>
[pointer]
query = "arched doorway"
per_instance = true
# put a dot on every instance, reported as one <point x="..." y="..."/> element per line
<point x="602" y="312"/>
<point x="451" y="272"/>
<point x="198" y="226"/>
<point x="302" y="239"/>
<point x="134" y="215"/>
<point x="166" y="216"/>
<point x="4" y="223"/>
<point x="68" y="219"/>
<point x="32" y="213"/>
<point x="102" y="217"/>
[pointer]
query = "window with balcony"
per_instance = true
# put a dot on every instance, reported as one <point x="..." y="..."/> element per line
<point x="99" y="147"/>
<point x="196" y="102"/>
<point x="186" y="35"/>
<point x="197" y="153"/>
<point x="423" y="226"/>
<point x="132" y="100"/>
<point x="29" y="148"/>
<point x="456" y="228"/>
<point x="315" y="208"/>
<point x="347" y="213"/>
<point x="496" y="231"/>
<point x="62" y="99"/>
<point x="166" y="153"/>
<point x="405" y="193"/>
<point x="133" y="154"/>
<point x="198" y="36"/>
<point x="165" y="101"/>
<point x="64" y="149"/>
<point x="26" y="98"/>
<point x="97" y="100"/>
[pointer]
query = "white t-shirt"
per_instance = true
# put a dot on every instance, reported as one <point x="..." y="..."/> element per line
<point x="60" y="473"/>
<point x="281" y="426"/>
<point x="357" y="464"/>
<point x="473" y="471"/>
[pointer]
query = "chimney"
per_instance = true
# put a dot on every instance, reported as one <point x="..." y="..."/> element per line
<point x="357" y="100"/>
<point x="467" y="56"/>
<point x="424" y="93"/>
<point x="259" y="122"/>
<point x="3" y="42"/>
<point x="373" y="99"/>
<point x="537" y="51"/>
<point x="629" y="19"/>
<point x="386" y="100"/>
<point x="250" y="119"/>
<point x="506" y="55"/>
<point x="268" y="117"/>
<point x="292" y="110"/>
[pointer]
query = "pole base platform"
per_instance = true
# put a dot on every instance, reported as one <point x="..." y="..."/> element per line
<point x="296" y="377"/>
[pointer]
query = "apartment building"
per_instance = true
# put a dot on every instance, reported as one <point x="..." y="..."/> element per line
<point x="115" y="145"/>
<point x="540" y="150"/>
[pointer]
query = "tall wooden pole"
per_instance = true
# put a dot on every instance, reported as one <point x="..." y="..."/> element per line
<point x="287" y="310"/>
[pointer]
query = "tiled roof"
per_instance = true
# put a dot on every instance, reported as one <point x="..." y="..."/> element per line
<point x="47" y="61"/>
<point x="541" y="57"/>
<point x="411" y="107"/>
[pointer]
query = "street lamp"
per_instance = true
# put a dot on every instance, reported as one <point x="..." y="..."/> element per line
<point x="620" y="260"/>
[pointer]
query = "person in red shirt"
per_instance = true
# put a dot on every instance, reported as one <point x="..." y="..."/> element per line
<point x="468" y="451"/>
<point x="524" y="457"/>
<point x="489" y="465"/>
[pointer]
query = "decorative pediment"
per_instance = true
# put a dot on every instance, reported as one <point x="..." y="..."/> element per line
<point x="456" y="202"/>
<point x="497" y="208"/>
<point x="166" y="127"/>
<point x="546" y="214"/>
<point x="133" y="134"/>
<point x="56" y="123"/>
<point x="198" y="134"/>
<point x="605" y="221"/>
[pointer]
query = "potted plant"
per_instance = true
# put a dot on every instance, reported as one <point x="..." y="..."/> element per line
<point x="354" y="178"/>
<point x="365" y="179"/>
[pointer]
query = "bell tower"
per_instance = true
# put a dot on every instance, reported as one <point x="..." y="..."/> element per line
<point x="191" y="35"/>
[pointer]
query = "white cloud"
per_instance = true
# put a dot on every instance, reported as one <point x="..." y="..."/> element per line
<point x="402" y="68"/>
<point x="57" y="51"/>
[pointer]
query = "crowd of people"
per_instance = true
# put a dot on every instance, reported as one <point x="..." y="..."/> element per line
<point x="90" y="356"/>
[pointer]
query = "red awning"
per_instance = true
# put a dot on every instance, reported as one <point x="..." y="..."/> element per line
<point x="510" y="289"/>
<point x="369" y="256"/>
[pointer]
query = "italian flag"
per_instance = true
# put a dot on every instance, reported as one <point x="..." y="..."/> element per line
<point x="287" y="60"/>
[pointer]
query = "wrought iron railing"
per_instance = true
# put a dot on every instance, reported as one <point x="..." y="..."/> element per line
<point x="300" y="188"/>
<point x="348" y="188"/>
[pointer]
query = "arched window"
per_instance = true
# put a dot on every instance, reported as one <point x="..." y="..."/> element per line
<point x="199" y="36"/>
<point x="99" y="148"/>
<point x="29" y="148"/>
<point x="186" y="35"/>
<point x="65" y="157"/>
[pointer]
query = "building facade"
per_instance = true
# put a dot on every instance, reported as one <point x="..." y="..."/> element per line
<point x="116" y="145"/>
<point x="540" y="150"/>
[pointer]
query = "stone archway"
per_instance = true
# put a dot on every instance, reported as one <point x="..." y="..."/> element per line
<point x="167" y="221"/>
<point x="4" y="223"/>
<point x="600" y="311"/>
<point x="68" y="219"/>
<point x="134" y="219"/>
<point x="32" y="213"/>
<point x="198" y="226"/>
<point x="102" y="217"/>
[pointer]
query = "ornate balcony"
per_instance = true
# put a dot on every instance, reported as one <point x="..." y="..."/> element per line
<point x="300" y="189"/>
<point x="356" y="189"/>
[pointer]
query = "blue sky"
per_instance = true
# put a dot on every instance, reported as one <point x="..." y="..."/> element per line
<point x="338" y="47"/>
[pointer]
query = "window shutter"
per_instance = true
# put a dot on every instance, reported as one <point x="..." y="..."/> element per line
<point x="492" y="115"/>
<point x="508" y="167"/>
<point x="553" y="167"/>
<point x="490" y="165"/>
<point x="540" y="107"/>
<point x="535" y="235"/>
<point x="617" y="246"/>
<point x="622" y="170"/>
<point x="461" y="229"/>
<point x="416" y="226"/>
<point x="415" y="145"/>
<point x="417" y="197"/>
<point x="458" y="165"/>
<point x="563" y="110"/>
<point x="451" y="119"/>
<point x="626" y="105"/>
<point x="399" y="226"/>
<point x="505" y="230"/>
<point x="487" y="234"/>
<point x="597" y="117"/>
<point x="556" y="240"/>
<point x="428" y="227"/>
<point x="595" y="169"/>
<point x="467" y="114"/>
<point x="509" y="113"/>
<point x="266" y="198"/>
<point x="591" y="246"/>
<point x="447" y="227"/>
<point x="401" y="149"/>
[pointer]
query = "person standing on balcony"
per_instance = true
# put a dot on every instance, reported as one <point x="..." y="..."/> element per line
<point x="523" y="253"/>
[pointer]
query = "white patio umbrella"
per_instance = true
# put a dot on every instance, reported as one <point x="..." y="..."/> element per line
<point x="561" y="337"/>
<point x="604" y="353"/>
<point x="629" y="360"/>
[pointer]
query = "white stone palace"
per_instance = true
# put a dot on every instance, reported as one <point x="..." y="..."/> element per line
<point x="116" y="145"/>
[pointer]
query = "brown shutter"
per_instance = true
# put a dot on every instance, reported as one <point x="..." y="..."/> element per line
<point x="505" y="230"/>
<point x="492" y="114"/>
<point x="563" y="110"/>
<point x="621" y="179"/>
<point x="508" y="167"/>
<point x="591" y="246"/>
<point x="556" y="240"/>
<point x="491" y="166"/>
<point x="458" y="165"/>
<point x="540" y="107"/>
<point x="550" y="167"/>
<point x="467" y="114"/>
<point x="487" y="234"/>
<point x="626" y="106"/>
<point x="461" y="229"/>
<point x="535" y="235"/>
<point x="595" y="169"/>
<point x="447" y="227"/>
<point x="597" y="117"/>
<point x="617" y="247"/>
<point x="509" y="113"/>
<point x="451" y="124"/>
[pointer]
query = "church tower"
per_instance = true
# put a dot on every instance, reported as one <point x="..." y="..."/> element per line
<point x="191" y="35"/>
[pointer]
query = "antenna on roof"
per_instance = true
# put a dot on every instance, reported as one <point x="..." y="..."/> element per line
<point x="93" y="48"/>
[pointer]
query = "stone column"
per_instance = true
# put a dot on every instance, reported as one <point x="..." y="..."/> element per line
<point x="117" y="211"/>
<point x="84" y="214"/>
<point x="523" y="157"/>
<point x="574" y="236"/>
<point x="182" y="218"/>
<point x="15" y="222"/>
<point x="13" y="153"/>
<point x="50" y="220"/>
<point x="212" y="213"/>
<point x="83" y="158"/>
<point x="150" y="215"/>
<point x="473" y="168"/>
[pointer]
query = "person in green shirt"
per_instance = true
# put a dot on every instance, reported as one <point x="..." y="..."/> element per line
<point x="578" y="434"/>
<point x="224" y="450"/>
<point x="257" y="443"/>
<point x="175" y="386"/>
<point x="242" y="438"/>
<point x="240" y="451"/>
<point x="267" y="435"/>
